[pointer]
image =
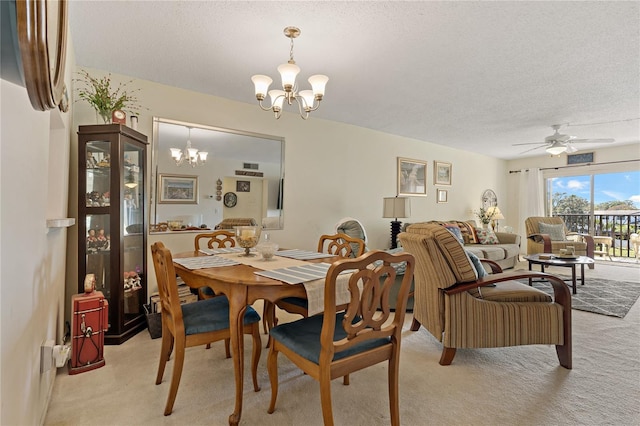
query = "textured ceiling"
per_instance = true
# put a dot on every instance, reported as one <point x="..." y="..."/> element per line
<point x="478" y="76"/>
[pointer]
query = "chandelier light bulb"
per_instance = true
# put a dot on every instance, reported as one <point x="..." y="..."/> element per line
<point x="308" y="97"/>
<point x="176" y="153"/>
<point x="262" y="83"/>
<point x="318" y="83"/>
<point x="288" y="73"/>
<point x="277" y="98"/>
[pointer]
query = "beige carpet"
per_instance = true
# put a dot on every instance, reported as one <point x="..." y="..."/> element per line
<point x="506" y="386"/>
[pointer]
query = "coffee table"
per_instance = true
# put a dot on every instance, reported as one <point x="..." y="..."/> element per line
<point x="534" y="259"/>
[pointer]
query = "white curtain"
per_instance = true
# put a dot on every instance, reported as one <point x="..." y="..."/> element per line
<point x="531" y="200"/>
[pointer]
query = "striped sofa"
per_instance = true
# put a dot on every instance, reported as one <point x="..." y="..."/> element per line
<point x="464" y="311"/>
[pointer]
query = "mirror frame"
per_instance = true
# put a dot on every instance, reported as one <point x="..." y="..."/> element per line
<point x="153" y="180"/>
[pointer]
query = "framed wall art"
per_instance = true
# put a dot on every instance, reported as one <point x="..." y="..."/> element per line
<point x="177" y="189"/>
<point x="243" y="186"/>
<point x="441" y="173"/>
<point x="412" y="177"/>
<point x="442" y="195"/>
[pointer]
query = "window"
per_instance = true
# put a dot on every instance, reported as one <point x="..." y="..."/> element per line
<point x="599" y="204"/>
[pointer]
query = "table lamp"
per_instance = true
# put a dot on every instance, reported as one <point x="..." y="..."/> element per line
<point x="396" y="207"/>
<point x="495" y="214"/>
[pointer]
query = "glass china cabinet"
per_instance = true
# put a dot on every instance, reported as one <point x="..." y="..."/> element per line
<point x="111" y="220"/>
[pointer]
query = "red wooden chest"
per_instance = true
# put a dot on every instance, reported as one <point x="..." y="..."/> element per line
<point x="89" y="322"/>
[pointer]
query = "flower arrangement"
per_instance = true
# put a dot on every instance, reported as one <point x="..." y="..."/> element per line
<point x="484" y="215"/>
<point x="103" y="98"/>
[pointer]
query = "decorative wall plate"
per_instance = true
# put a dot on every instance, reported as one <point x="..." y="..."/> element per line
<point x="489" y="199"/>
<point x="230" y="199"/>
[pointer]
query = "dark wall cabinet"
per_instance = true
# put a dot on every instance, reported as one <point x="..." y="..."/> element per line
<point x="111" y="220"/>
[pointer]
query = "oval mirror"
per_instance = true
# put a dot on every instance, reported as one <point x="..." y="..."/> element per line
<point x="191" y="189"/>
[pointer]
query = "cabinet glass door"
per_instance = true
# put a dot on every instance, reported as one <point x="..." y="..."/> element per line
<point x="98" y="251"/>
<point x="98" y="173"/>
<point x="133" y="229"/>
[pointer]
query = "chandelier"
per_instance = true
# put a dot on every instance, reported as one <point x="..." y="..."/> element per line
<point x="189" y="155"/>
<point x="307" y="100"/>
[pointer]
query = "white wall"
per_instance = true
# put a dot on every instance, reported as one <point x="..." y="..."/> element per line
<point x="34" y="183"/>
<point x="332" y="170"/>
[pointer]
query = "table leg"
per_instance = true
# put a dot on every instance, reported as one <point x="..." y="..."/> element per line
<point x="573" y="278"/>
<point x="582" y="274"/>
<point x="237" y="307"/>
<point x="530" y="282"/>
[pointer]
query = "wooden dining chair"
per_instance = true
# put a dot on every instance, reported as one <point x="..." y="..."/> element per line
<point x="338" y="244"/>
<point x="334" y="344"/>
<point x="214" y="240"/>
<point x="193" y="324"/>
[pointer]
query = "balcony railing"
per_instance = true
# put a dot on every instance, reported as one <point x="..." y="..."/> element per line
<point x="616" y="226"/>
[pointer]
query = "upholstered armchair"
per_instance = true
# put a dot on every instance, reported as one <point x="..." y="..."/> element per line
<point x="462" y="310"/>
<point x="550" y="234"/>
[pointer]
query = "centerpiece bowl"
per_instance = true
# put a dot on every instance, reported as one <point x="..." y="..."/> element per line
<point x="266" y="247"/>
<point x="247" y="238"/>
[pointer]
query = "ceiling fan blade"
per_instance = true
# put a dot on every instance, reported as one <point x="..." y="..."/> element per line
<point x="609" y="140"/>
<point x="530" y="149"/>
<point x="571" y="149"/>
<point x="530" y="143"/>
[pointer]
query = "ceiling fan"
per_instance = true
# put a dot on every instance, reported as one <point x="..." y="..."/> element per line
<point x="558" y="143"/>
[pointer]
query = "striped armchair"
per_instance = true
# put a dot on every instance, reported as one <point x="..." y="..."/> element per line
<point x="464" y="311"/>
<point x="540" y="240"/>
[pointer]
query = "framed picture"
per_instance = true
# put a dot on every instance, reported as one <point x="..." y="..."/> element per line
<point x="243" y="186"/>
<point x="178" y="189"/>
<point x="441" y="173"/>
<point x="442" y="195"/>
<point x="412" y="177"/>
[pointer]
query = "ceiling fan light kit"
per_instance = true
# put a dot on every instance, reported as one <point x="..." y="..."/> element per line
<point x="556" y="148"/>
<point x="307" y="100"/>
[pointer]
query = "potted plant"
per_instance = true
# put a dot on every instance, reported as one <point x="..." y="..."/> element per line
<point x="105" y="99"/>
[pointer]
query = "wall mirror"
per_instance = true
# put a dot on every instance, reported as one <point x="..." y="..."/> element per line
<point x="241" y="178"/>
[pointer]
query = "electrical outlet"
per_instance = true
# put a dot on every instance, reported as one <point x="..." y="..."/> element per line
<point x="46" y="356"/>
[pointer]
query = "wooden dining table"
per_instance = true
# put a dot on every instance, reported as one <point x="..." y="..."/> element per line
<point x="242" y="287"/>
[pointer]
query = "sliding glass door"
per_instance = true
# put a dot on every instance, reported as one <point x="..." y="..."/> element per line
<point x="604" y="204"/>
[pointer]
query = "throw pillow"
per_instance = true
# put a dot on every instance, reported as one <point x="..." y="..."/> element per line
<point x="556" y="232"/>
<point x="455" y="231"/>
<point x="467" y="231"/>
<point x="486" y="236"/>
<point x="399" y="267"/>
<point x="476" y="264"/>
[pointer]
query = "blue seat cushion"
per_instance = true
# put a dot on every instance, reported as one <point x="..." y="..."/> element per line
<point x="207" y="291"/>
<point x="298" y="301"/>
<point x="211" y="315"/>
<point x="303" y="337"/>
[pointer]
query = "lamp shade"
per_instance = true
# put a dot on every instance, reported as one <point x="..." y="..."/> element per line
<point x="288" y="72"/>
<point x="318" y="83"/>
<point x="494" y="213"/>
<point x="277" y="99"/>
<point x="307" y="95"/>
<point x="261" y="83"/>
<point x="395" y="207"/>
